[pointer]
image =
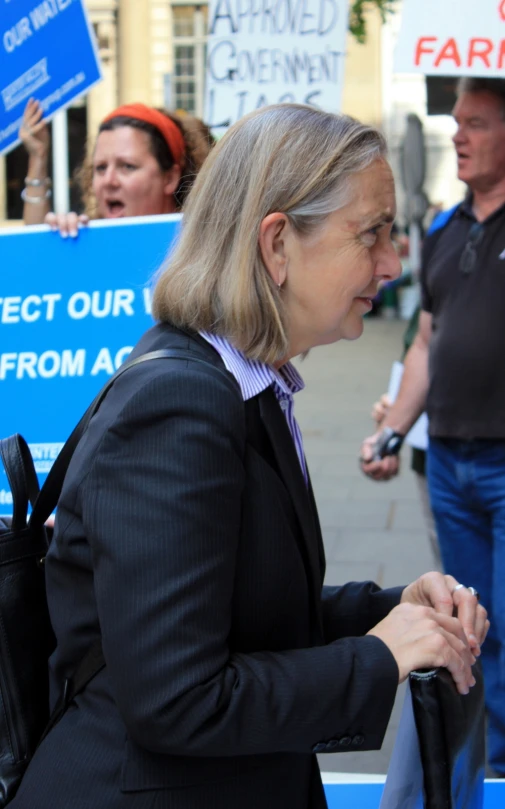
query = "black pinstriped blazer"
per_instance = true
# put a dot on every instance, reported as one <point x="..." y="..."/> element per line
<point x="186" y="536"/>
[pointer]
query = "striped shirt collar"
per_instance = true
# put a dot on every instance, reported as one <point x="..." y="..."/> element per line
<point x="253" y="376"/>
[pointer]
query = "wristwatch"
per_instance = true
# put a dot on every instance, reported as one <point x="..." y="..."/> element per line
<point x="389" y="442"/>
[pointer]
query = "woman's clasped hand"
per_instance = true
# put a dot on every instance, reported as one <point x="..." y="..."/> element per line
<point x="435" y="626"/>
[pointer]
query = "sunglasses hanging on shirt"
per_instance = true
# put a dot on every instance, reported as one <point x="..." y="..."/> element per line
<point x="469" y="254"/>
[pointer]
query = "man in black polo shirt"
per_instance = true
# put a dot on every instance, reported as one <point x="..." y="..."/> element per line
<point x="455" y="370"/>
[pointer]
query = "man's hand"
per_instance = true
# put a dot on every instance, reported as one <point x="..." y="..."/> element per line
<point x="380" y="409"/>
<point x="383" y="469"/>
<point x="408" y="406"/>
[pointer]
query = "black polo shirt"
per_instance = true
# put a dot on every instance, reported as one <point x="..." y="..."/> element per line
<point x="466" y="396"/>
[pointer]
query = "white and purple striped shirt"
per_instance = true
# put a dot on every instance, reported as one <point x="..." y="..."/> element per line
<point x="254" y="377"/>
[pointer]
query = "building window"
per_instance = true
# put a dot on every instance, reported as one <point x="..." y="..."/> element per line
<point x="190" y="44"/>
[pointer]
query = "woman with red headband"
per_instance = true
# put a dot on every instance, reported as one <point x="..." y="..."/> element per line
<point x="143" y="163"/>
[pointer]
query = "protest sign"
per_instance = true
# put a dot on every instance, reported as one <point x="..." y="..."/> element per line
<point x="267" y="52"/>
<point x="452" y="38"/>
<point x="70" y="313"/>
<point x="48" y="51"/>
<point x="361" y="791"/>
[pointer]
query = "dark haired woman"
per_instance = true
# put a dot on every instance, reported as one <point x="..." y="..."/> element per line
<point x="143" y="163"/>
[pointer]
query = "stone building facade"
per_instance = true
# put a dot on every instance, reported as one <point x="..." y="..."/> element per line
<point x="154" y="51"/>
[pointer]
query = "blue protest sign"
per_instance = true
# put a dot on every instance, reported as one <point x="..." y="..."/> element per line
<point x="70" y="312"/>
<point x="47" y="50"/>
<point x="364" y="792"/>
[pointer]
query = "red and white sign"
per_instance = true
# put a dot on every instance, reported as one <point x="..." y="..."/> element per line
<point x="452" y="38"/>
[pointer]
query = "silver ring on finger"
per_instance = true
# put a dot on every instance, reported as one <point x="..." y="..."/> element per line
<point x="474" y="592"/>
<point x="458" y="587"/>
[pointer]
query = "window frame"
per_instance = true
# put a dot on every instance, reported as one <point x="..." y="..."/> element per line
<point x="199" y="42"/>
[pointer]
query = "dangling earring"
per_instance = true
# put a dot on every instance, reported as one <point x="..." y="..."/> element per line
<point x="279" y="287"/>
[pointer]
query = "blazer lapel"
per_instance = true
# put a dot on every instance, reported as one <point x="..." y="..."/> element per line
<point x="319" y="534"/>
<point x="291" y="473"/>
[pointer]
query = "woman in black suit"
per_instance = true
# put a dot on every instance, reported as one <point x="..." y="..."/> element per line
<point x="187" y="536"/>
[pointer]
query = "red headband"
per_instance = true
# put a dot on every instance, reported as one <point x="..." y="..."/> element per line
<point x="170" y="131"/>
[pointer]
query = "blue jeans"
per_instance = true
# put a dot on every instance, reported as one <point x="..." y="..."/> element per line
<point x="466" y="480"/>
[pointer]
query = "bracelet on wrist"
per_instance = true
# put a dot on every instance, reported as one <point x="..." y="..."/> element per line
<point x="35" y="200"/>
<point x="389" y="442"/>
<point x="36" y="182"/>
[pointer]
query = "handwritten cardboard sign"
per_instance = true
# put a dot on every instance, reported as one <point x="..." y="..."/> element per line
<point x="264" y="52"/>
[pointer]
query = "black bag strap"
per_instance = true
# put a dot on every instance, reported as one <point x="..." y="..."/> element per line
<point x="23" y="482"/>
<point x="51" y="490"/>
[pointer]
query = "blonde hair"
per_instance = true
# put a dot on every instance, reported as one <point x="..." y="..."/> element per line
<point x="197" y="141"/>
<point x="288" y="158"/>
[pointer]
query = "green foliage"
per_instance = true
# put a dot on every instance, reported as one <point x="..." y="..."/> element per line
<point x="357" y="25"/>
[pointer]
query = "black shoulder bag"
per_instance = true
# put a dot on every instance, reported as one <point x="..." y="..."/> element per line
<point x="26" y="635"/>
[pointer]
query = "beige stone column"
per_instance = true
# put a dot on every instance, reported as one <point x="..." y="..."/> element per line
<point x="161" y="48"/>
<point x="134" y="58"/>
<point x="104" y="96"/>
<point x="362" y="96"/>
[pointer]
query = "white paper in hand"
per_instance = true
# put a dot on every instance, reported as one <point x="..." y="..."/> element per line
<point x="417" y="437"/>
<point x="404" y="783"/>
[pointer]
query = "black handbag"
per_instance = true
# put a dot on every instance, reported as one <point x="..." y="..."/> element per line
<point x="26" y="635"/>
<point x="451" y="733"/>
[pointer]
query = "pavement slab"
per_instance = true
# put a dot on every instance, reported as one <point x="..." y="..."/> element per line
<point x="371" y="530"/>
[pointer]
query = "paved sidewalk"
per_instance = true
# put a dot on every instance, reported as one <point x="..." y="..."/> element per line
<point x="371" y="530"/>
